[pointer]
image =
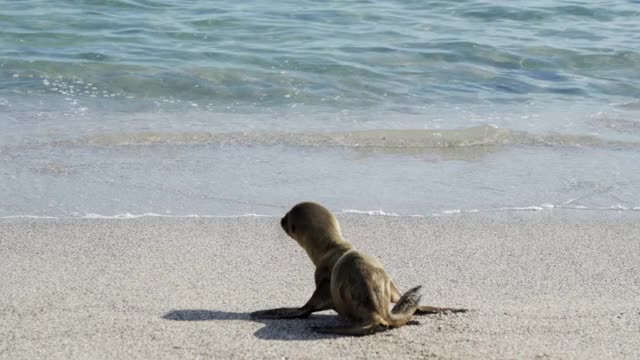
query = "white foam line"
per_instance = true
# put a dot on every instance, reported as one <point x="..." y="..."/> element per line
<point x="611" y="208"/>
<point x="28" y="217"/>
<point x="143" y="215"/>
<point x="369" y="212"/>
<point x="522" y="208"/>
<point x="126" y="216"/>
<point x="545" y="206"/>
<point x="453" y="211"/>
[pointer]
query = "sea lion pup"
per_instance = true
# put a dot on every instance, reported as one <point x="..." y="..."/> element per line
<point x="347" y="280"/>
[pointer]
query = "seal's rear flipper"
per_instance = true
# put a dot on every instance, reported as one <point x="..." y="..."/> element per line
<point x="426" y="310"/>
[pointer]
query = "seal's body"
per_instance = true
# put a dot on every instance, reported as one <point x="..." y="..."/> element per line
<point x="347" y="280"/>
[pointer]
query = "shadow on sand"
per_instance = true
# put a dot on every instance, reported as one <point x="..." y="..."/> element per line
<point x="280" y="329"/>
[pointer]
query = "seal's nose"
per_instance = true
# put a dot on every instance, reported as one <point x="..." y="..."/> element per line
<point x="283" y="223"/>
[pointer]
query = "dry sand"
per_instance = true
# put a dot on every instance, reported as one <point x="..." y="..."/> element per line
<point x="546" y="284"/>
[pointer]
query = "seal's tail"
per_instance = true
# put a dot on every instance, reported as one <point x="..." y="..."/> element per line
<point x="405" y="307"/>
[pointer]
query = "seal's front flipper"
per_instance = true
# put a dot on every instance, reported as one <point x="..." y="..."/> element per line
<point x="320" y="300"/>
<point x="425" y="310"/>
<point x="281" y="313"/>
<point x="358" y="330"/>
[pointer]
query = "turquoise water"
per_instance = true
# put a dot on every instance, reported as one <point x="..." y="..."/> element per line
<point x="363" y="53"/>
<point x="181" y="107"/>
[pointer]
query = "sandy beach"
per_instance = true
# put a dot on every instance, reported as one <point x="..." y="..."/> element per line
<point x="547" y="284"/>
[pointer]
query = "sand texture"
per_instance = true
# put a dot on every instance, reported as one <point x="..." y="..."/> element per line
<point x="547" y="285"/>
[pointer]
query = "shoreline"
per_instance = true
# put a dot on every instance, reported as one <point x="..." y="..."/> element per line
<point x="543" y="284"/>
<point x="547" y="209"/>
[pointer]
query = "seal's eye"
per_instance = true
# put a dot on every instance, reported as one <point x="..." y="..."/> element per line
<point x="293" y="229"/>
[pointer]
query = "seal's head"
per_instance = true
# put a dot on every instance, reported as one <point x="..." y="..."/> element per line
<point x="312" y="225"/>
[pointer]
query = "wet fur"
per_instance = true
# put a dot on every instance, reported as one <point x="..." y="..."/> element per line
<point x="352" y="283"/>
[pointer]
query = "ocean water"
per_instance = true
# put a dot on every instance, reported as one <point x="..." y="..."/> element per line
<point x="175" y="108"/>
